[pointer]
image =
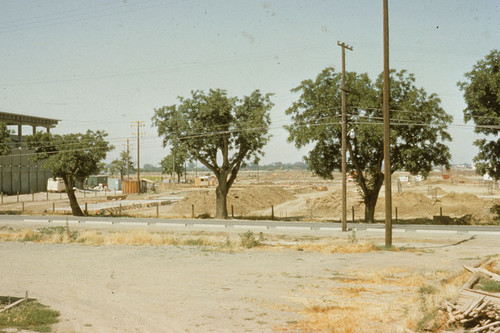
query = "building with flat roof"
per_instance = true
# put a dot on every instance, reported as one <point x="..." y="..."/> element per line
<point x="20" y="120"/>
<point x="18" y="172"/>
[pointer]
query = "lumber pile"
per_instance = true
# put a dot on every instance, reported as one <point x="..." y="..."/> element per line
<point x="476" y="310"/>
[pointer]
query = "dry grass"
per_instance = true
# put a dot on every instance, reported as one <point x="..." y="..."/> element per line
<point x="388" y="300"/>
<point x="132" y="237"/>
<point x="350" y="316"/>
<point x="213" y="240"/>
<point x="338" y="246"/>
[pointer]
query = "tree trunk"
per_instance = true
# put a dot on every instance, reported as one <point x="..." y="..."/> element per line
<point x="75" y="207"/>
<point x="370" y="203"/>
<point x="221" y="196"/>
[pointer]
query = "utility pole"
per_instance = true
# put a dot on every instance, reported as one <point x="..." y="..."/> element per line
<point x="344" y="138"/>
<point x="128" y="164"/>
<point x="173" y="163"/>
<point x="139" y="124"/>
<point x="387" y="119"/>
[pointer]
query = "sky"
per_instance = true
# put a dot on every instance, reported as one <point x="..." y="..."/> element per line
<point x="104" y="65"/>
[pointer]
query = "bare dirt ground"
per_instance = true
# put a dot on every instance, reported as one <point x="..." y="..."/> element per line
<point x="302" y="195"/>
<point x="292" y="194"/>
<point x="172" y="288"/>
<point x="121" y="288"/>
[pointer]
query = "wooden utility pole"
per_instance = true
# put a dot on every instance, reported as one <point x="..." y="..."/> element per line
<point x="344" y="139"/>
<point x="128" y="164"/>
<point x="173" y="163"/>
<point x="139" y="124"/>
<point x="387" y="154"/>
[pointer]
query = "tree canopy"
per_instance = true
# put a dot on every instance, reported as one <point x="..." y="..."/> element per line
<point x="482" y="96"/>
<point x="72" y="157"/>
<point x="418" y="128"/>
<point x="120" y="165"/>
<point x="5" y="139"/>
<point x="221" y="132"/>
<point x="171" y="162"/>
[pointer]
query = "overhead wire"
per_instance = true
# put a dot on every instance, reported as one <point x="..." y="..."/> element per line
<point x="315" y="123"/>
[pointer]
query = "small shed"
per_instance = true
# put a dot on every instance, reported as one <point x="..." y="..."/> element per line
<point x="95" y="180"/>
<point x="114" y="184"/>
<point x="204" y="181"/>
<point x="131" y="185"/>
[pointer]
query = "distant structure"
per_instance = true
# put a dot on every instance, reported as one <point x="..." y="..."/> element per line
<point x="20" y="120"/>
<point x="18" y="173"/>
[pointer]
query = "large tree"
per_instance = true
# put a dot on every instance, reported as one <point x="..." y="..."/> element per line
<point x="482" y="95"/>
<point x="71" y="156"/>
<point x="418" y="127"/>
<point x="171" y="162"/>
<point x="120" y="165"/>
<point x="221" y="132"/>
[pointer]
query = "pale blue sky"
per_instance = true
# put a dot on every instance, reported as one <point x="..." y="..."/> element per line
<point x="103" y="64"/>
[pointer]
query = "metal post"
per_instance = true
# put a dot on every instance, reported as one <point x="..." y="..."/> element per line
<point x="53" y="207"/>
<point x="192" y="211"/>
<point x="344" y="139"/>
<point x="157" y="209"/>
<point x="387" y="154"/>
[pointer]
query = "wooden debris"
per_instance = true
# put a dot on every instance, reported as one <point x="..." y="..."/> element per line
<point x="476" y="310"/>
<point x="13" y="304"/>
<point x="483" y="272"/>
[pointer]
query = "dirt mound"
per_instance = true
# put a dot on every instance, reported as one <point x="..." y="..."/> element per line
<point x="331" y="205"/>
<point x="453" y="204"/>
<point x="465" y="203"/>
<point x="245" y="200"/>
<point x="440" y="191"/>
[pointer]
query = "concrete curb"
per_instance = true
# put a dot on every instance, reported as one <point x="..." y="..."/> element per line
<point x="259" y="226"/>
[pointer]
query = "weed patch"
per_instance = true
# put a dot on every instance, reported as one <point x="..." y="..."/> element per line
<point x="249" y="241"/>
<point x="29" y="315"/>
<point x="488" y="285"/>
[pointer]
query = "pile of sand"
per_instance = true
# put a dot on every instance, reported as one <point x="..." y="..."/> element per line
<point x="245" y="200"/>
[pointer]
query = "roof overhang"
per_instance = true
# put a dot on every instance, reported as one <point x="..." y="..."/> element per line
<point x="20" y="119"/>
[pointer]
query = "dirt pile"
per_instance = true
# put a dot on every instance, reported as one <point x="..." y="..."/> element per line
<point x="413" y="205"/>
<point x="245" y="200"/>
<point x="459" y="204"/>
<point x="330" y="205"/>
<point x="409" y="205"/>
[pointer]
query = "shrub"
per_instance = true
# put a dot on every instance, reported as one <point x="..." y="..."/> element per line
<point x="248" y="239"/>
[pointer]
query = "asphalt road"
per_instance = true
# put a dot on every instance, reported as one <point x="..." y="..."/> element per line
<point x="235" y="225"/>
